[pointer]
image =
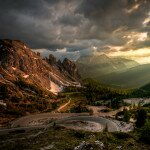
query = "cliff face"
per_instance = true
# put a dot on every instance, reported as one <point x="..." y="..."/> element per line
<point x="71" y="68"/>
<point x="67" y="67"/>
<point x="28" y="83"/>
<point x="18" y="61"/>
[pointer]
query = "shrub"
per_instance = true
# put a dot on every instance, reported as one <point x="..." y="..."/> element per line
<point x="122" y="135"/>
<point x="141" y="118"/>
<point x="145" y="133"/>
<point x="54" y="105"/>
<point x="78" y="109"/>
<point x="15" y="112"/>
<point x="127" y="116"/>
<point x="79" y="135"/>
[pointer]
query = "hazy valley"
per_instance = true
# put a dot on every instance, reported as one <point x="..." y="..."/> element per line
<point x="119" y="72"/>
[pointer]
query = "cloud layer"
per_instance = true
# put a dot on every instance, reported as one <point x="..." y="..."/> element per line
<point x="77" y="25"/>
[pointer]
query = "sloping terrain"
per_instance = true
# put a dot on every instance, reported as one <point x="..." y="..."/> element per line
<point x="67" y="68"/>
<point x="97" y="66"/>
<point x="134" y="77"/>
<point x="27" y="82"/>
<point x="18" y="61"/>
<point x="114" y="71"/>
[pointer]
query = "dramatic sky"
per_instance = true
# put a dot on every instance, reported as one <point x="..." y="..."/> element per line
<point x="80" y="27"/>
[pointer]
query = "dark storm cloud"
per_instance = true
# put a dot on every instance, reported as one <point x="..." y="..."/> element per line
<point x="21" y="20"/>
<point x="37" y="8"/>
<point x="70" y="20"/>
<point x="109" y="15"/>
<point x="74" y="24"/>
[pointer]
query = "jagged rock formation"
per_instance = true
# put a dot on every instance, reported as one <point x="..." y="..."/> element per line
<point x="18" y="61"/>
<point x="51" y="60"/>
<point x="71" y="68"/>
<point x="67" y="67"/>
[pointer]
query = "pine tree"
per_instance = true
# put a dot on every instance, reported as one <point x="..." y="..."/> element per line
<point x="126" y="117"/>
<point x="141" y="118"/>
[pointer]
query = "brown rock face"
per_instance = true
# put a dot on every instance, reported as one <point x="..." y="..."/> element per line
<point x="17" y="60"/>
<point x="71" y="68"/>
<point x="51" y="60"/>
<point x="67" y="67"/>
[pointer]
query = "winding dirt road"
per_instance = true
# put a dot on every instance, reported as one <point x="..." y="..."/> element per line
<point x="112" y="126"/>
<point x="45" y="120"/>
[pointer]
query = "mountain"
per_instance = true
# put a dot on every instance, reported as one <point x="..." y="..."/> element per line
<point x="67" y="68"/>
<point x="22" y="70"/>
<point x="146" y="87"/>
<point x="18" y="61"/>
<point x="119" y="72"/>
<point x="133" y="78"/>
<point x="97" y="66"/>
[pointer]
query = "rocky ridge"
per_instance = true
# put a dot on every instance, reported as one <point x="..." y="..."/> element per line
<point x="66" y="67"/>
<point x="18" y="61"/>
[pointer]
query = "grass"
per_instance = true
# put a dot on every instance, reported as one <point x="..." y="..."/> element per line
<point x="66" y="139"/>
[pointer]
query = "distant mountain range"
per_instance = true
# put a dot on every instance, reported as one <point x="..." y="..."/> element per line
<point x="134" y="77"/>
<point x="119" y="72"/>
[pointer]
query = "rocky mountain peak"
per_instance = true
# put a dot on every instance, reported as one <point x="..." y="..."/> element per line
<point x="66" y="67"/>
<point x="19" y="61"/>
<point x="15" y="53"/>
<point x="51" y="59"/>
<point x="71" y="68"/>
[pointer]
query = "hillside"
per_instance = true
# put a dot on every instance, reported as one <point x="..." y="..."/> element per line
<point x="115" y="71"/>
<point x="100" y="65"/>
<point x="27" y="82"/>
<point x="134" y="77"/>
<point x="143" y="91"/>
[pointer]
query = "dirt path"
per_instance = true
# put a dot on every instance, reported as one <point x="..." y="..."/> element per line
<point x="74" y="121"/>
<point x="90" y="123"/>
<point x="63" y="106"/>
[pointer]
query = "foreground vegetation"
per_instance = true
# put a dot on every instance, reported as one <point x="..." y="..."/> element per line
<point x="65" y="139"/>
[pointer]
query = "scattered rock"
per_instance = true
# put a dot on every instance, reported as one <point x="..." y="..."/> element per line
<point x="119" y="147"/>
<point x="90" y="146"/>
<point x="100" y="144"/>
<point x="47" y="147"/>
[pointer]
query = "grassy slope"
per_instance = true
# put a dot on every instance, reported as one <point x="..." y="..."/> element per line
<point x="65" y="139"/>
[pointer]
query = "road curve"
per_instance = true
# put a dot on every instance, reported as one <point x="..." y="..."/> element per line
<point x="112" y="126"/>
